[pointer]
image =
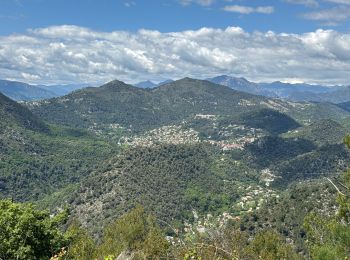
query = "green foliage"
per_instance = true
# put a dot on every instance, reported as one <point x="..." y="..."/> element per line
<point x="35" y="163"/>
<point x="271" y="150"/>
<point x="269" y="245"/>
<point x="81" y="245"/>
<point x="26" y="233"/>
<point x="324" y="161"/>
<point x="322" y="132"/>
<point x="134" y="232"/>
<point x="169" y="180"/>
<point x="270" y="120"/>
<point x="230" y="243"/>
<point x="142" y="109"/>
<point x="14" y="114"/>
<point x="329" y="237"/>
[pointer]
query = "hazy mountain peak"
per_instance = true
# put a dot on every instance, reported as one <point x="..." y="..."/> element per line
<point x="146" y="84"/>
<point x="165" y="82"/>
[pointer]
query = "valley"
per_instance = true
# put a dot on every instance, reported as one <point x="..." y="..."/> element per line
<point x="197" y="156"/>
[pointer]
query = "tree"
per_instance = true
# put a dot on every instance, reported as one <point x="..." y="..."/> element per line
<point x="270" y="245"/>
<point x="27" y="233"/>
<point x="81" y="245"/>
<point x="135" y="232"/>
<point x="329" y="237"/>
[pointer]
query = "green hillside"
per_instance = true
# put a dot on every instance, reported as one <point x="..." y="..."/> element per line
<point x="117" y="104"/>
<point x="192" y="153"/>
<point x="37" y="159"/>
<point x="14" y="114"/>
<point x="321" y="132"/>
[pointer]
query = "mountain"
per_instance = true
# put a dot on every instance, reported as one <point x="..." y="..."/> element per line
<point x="15" y="115"/>
<point x="24" y="92"/>
<point x="322" y="132"/>
<point x="140" y="109"/>
<point x="160" y="178"/>
<point x="345" y="105"/>
<point x="240" y="84"/>
<point x="37" y="159"/>
<point x="136" y="109"/>
<point x="61" y="90"/>
<point x="20" y="91"/>
<point x="191" y="152"/>
<point x="150" y="84"/>
<point x="293" y="92"/>
<point x="285" y="90"/>
<point x="306" y="92"/>
<point x="146" y="84"/>
<point x="165" y="82"/>
<point x="339" y="95"/>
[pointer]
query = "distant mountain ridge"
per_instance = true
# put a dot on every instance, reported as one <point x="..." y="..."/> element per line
<point x="20" y="91"/>
<point x="150" y="84"/>
<point x="137" y="109"/>
<point x="240" y="84"/>
<point x="294" y="92"/>
<point x="24" y="92"/>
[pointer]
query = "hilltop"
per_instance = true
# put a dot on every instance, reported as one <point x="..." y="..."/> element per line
<point x="120" y="105"/>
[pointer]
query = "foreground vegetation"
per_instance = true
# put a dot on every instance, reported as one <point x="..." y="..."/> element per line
<point x="27" y="233"/>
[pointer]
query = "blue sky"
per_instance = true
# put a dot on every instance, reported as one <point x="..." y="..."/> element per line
<point x="17" y="16"/>
<point x="94" y="41"/>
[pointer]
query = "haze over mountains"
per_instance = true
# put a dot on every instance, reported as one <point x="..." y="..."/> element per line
<point x="20" y="91"/>
<point x="294" y="92"/>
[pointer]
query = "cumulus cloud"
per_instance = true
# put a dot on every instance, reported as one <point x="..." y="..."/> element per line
<point x="65" y="54"/>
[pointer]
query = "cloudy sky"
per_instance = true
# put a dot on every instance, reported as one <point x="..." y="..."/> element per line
<point x="94" y="41"/>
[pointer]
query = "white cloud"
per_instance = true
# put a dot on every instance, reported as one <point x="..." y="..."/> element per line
<point x="309" y="3"/>
<point x="330" y="16"/>
<point x="248" y="9"/>
<point x="129" y="3"/>
<point x="65" y="54"/>
<point x="200" y="2"/>
<point x="344" y="2"/>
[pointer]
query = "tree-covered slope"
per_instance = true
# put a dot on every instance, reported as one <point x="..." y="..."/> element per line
<point x="169" y="180"/>
<point x="117" y="103"/>
<point x="140" y="109"/>
<point x="14" y="114"/>
<point x="321" y="132"/>
<point x="37" y="159"/>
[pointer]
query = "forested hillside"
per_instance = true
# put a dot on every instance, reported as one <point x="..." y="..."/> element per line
<point x="174" y="171"/>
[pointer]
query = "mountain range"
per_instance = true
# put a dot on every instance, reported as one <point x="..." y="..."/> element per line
<point x="20" y="91"/>
<point x="183" y="150"/>
<point x="294" y="92"/>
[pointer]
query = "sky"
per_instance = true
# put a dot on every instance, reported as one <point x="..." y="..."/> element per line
<point x="95" y="41"/>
